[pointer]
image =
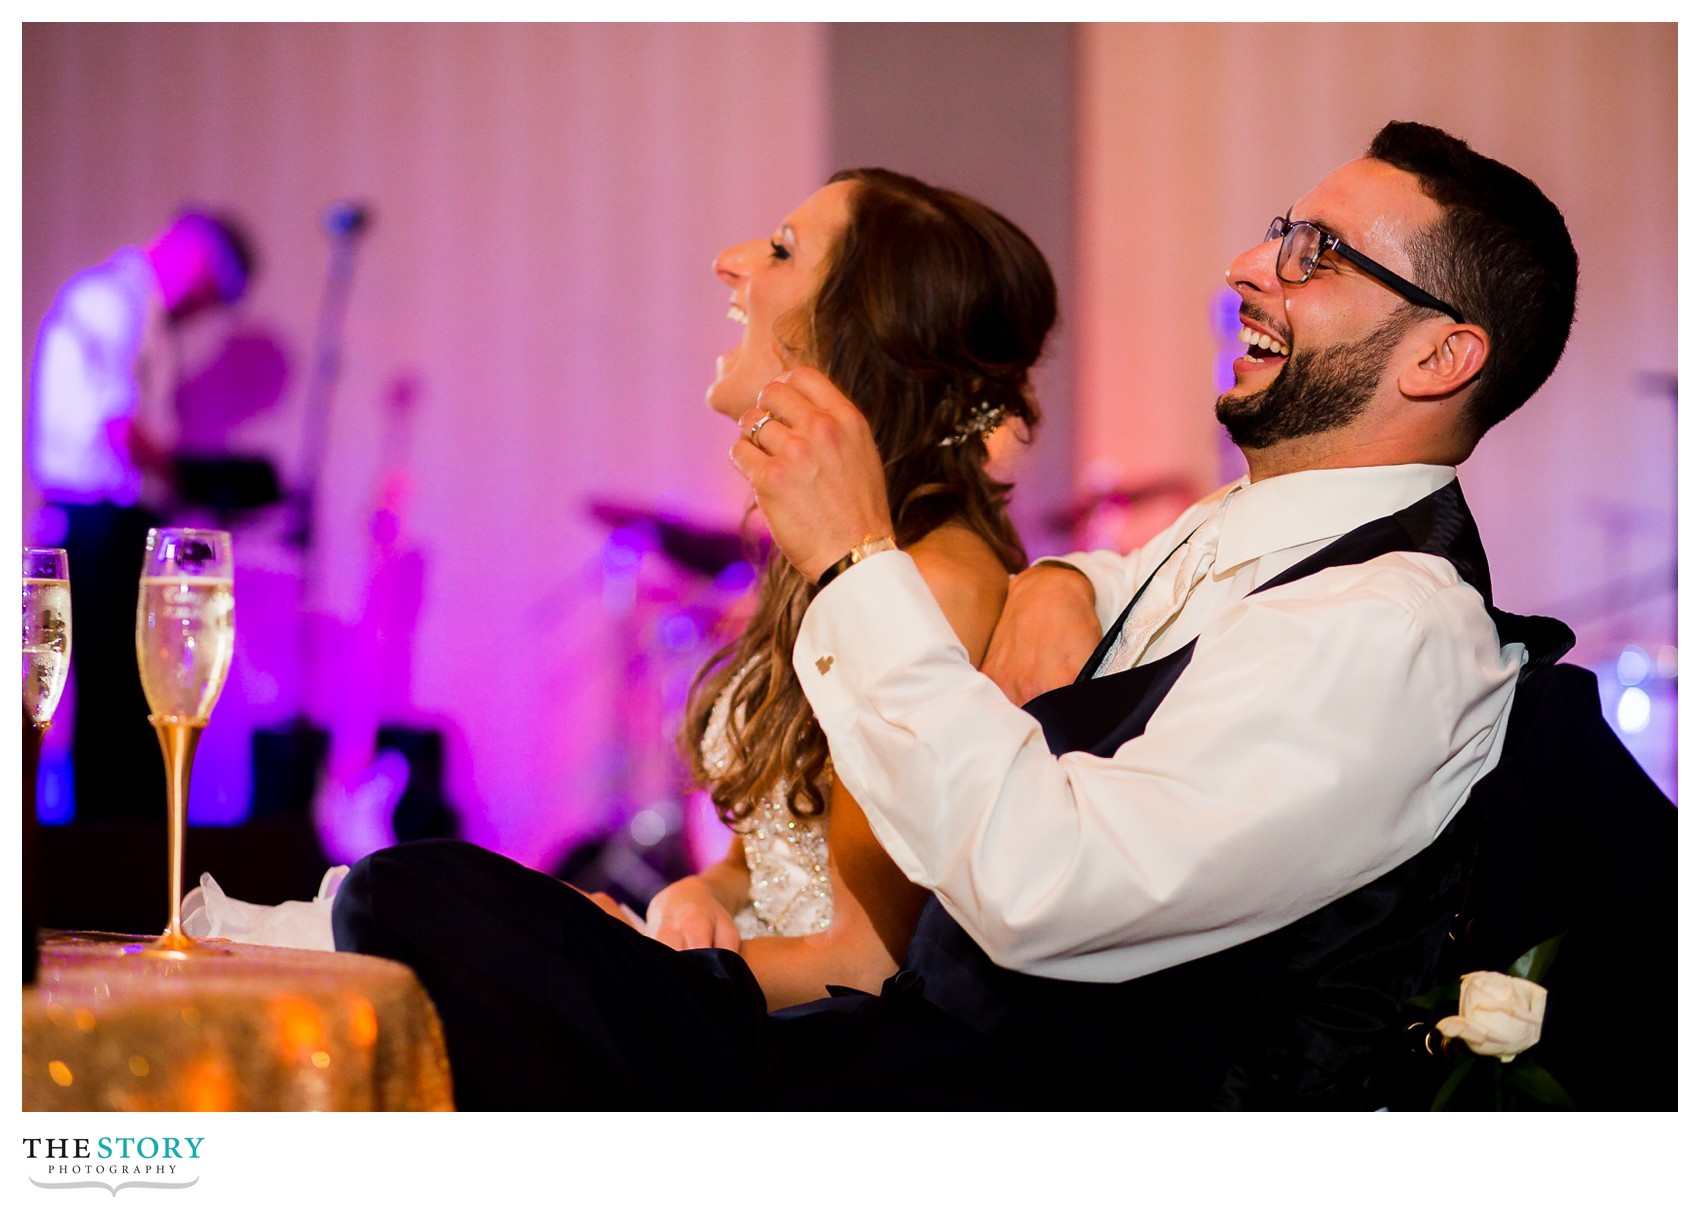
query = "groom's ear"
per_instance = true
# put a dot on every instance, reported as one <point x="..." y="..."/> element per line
<point x="1447" y="360"/>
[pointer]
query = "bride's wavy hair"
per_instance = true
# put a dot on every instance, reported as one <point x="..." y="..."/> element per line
<point x="932" y="308"/>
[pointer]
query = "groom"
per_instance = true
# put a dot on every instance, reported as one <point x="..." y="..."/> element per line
<point x="1207" y="871"/>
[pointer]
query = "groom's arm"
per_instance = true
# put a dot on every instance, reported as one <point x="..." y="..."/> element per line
<point x="1322" y="734"/>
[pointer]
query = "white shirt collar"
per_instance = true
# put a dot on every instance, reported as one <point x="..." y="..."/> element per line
<point x="1304" y="507"/>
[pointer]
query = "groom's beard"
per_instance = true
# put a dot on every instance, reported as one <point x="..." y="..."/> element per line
<point x="1317" y="391"/>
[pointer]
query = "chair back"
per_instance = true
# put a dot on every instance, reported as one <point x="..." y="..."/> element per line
<point x="1576" y="838"/>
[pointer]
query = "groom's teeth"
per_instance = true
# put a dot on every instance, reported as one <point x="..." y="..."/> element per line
<point x="1262" y="341"/>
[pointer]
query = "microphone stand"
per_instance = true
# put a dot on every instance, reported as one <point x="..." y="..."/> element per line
<point x="303" y="743"/>
<point x="344" y="223"/>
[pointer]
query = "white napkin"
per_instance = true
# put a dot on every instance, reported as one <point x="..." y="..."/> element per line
<point x="209" y="913"/>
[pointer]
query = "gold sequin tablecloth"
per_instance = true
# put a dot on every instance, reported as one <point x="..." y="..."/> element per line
<point x="255" y="1029"/>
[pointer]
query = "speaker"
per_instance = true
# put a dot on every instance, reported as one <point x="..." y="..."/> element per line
<point x="422" y="812"/>
<point x="288" y="761"/>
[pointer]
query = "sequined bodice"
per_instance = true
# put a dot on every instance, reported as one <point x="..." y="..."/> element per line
<point x="790" y="893"/>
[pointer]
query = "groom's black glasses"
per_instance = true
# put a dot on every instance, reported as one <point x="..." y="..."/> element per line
<point x="1302" y="246"/>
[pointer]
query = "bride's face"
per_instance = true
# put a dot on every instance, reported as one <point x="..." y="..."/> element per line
<point x="770" y="279"/>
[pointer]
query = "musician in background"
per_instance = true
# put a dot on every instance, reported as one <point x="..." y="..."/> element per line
<point x="101" y="434"/>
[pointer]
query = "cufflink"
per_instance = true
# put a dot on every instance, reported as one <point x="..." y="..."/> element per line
<point x="823" y="664"/>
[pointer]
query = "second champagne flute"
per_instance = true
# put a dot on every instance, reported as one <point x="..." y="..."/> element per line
<point x="185" y="635"/>
<point x="47" y="660"/>
<point x="47" y="631"/>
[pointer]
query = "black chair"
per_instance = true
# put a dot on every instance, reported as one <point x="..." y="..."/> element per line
<point x="1575" y="838"/>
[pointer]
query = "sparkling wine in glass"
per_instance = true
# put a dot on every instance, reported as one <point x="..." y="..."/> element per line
<point x="185" y="635"/>
<point x="47" y="632"/>
<point x="47" y="660"/>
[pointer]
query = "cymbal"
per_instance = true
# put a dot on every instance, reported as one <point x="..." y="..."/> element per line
<point x="694" y="546"/>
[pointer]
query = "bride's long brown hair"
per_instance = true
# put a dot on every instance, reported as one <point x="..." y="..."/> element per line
<point x="932" y="306"/>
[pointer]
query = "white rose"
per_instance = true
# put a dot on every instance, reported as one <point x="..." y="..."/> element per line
<point x="1498" y="1016"/>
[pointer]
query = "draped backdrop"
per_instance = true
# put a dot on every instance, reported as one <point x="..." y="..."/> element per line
<point x="533" y="321"/>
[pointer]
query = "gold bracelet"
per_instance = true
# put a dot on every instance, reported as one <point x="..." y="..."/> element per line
<point x="855" y="555"/>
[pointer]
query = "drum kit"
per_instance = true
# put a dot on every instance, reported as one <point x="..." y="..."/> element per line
<point x="680" y="587"/>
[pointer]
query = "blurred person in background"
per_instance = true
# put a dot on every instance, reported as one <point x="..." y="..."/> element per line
<point x="100" y="443"/>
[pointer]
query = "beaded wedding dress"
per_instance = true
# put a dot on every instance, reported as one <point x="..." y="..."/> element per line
<point x="790" y="892"/>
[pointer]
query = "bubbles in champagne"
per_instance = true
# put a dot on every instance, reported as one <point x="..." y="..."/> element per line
<point x="185" y="634"/>
<point x="47" y="644"/>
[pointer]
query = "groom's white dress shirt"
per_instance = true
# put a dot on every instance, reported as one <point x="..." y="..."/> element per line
<point x="1324" y="732"/>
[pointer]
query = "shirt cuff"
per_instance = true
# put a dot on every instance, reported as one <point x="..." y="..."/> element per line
<point x="877" y="617"/>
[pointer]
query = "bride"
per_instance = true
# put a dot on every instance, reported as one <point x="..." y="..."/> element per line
<point x="930" y="309"/>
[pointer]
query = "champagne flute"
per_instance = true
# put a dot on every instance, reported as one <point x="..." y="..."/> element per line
<point x="47" y="632"/>
<point x="185" y="634"/>
<point x="47" y="659"/>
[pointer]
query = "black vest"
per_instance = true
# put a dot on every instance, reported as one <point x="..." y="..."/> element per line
<point x="1301" y="1017"/>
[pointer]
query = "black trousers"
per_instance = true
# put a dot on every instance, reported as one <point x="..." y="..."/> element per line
<point x="549" y="1003"/>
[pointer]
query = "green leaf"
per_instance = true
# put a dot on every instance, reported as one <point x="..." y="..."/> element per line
<point x="1450" y="1087"/>
<point x="1534" y="1081"/>
<point x="1533" y="964"/>
<point x="1441" y="996"/>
